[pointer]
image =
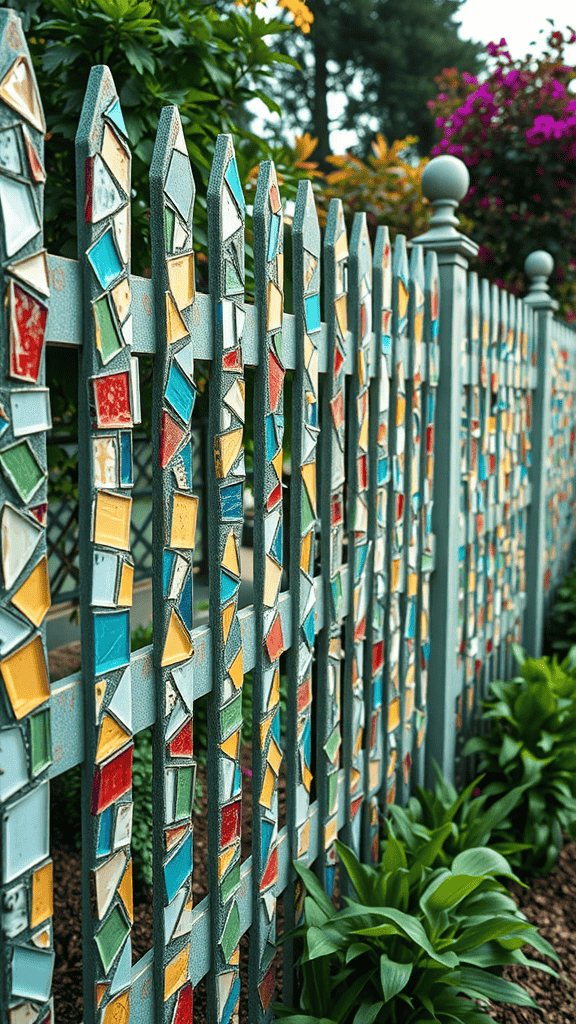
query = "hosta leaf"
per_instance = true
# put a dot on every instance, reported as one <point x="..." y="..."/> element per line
<point x="482" y="861"/>
<point x="361" y="876"/>
<point x="356" y="949"/>
<point x="479" y="984"/>
<point x="315" y="890"/>
<point x="448" y="893"/>
<point x="393" y="977"/>
<point x="367" y="1013"/>
<point x="492" y="929"/>
<point x="412" y="928"/>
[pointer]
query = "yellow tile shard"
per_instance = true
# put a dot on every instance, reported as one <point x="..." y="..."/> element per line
<point x="112" y="737"/>
<point x="112" y="520"/>
<point x="183" y="528"/>
<point x="33" y="597"/>
<point x="26" y="677"/>
<point x="175" y="327"/>
<point x="178" y="646"/>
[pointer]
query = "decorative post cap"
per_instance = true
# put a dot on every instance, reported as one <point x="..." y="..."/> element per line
<point x="538" y="267"/>
<point x="445" y="182"/>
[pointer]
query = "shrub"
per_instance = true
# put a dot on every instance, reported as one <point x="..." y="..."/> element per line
<point x="418" y="944"/>
<point x="445" y="824"/>
<point x="532" y="744"/>
<point x="516" y="131"/>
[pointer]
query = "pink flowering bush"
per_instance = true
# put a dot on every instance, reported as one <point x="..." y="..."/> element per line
<point x="516" y="131"/>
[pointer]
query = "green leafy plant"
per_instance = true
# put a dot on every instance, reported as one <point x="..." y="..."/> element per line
<point x="419" y="945"/>
<point x="442" y="824"/>
<point x="560" y="633"/>
<point x="532" y="744"/>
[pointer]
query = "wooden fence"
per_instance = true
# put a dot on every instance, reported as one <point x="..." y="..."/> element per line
<point x="431" y="515"/>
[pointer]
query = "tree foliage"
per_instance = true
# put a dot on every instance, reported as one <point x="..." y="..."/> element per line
<point x="382" y="57"/>
<point x="517" y="134"/>
<point x="209" y="60"/>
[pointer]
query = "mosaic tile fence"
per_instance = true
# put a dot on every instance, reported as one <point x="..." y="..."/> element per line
<point x="346" y="610"/>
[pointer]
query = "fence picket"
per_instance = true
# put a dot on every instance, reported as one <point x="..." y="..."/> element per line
<point x="359" y="543"/>
<point x="303" y="495"/>
<point x="378" y="484"/>
<point x="172" y="194"/>
<point x="396" y="552"/>
<point x="410" y="528"/>
<point x="109" y="405"/>
<point x="226" y="473"/>
<point x="427" y="540"/>
<point x="268" y="559"/>
<point x="27" y="959"/>
<point x="332" y="439"/>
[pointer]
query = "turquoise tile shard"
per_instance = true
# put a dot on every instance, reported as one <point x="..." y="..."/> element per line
<point x="231" y="498"/>
<point x="25" y="832"/>
<point x="178" y="868"/>
<point x="105" y="260"/>
<point x="126" y="475"/>
<point x="32" y="973"/>
<point x="180" y="393"/>
<point x="312" y="308"/>
<point x="111" y="641"/>
<point x="123" y="974"/>
<point x="114" y="113"/>
<point x="233" y="180"/>
<point x="104" y="833"/>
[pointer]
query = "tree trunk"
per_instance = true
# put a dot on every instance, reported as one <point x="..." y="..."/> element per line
<point x="320" y="105"/>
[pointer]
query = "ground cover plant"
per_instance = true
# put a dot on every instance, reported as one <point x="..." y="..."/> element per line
<point x="418" y="944"/>
<point x="532" y="744"/>
<point x="560" y="630"/>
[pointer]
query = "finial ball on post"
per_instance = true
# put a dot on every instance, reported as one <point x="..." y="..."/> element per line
<point x="539" y="264"/>
<point x="445" y="177"/>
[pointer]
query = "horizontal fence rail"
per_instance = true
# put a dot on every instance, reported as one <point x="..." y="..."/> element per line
<point x="431" y="456"/>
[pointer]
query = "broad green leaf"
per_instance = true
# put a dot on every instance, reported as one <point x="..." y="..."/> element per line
<point x="482" y="861"/>
<point x="394" y="855"/>
<point x="377" y="931"/>
<point x="356" y="949"/>
<point x="480" y="934"/>
<point x="412" y="928"/>
<point x="479" y="984"/>
<point x="361" y="876"/>
<point x="315" y="890"/>
<point x="449" y="892"/>
<point x="367" y="1013"/>
<point x="320" y="943"/>
<point x="494" y="816"/>
<point x="340" y="1011"/>
<point x="393" y="977"/>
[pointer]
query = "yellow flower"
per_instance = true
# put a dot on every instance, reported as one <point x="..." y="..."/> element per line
<point x="302" y="14"/>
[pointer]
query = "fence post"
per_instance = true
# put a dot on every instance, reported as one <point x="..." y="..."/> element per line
<point x="445" y="182"/>
<point x="538" y="266"/>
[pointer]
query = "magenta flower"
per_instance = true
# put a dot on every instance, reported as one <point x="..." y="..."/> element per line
<point x="469" y="79"/>
<point x="440" y="122"/>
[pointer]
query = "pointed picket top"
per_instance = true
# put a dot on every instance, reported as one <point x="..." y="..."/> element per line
<point x="172" y="193"/>
<point x="400" y="285"/>
<point x="305" y="227"/>
<point x="18" y="86"/>
<point x="335" y="230"/>
<point x="226" y="220"/>
<point x="171" y="174"/>
<point x="503" y="330"/>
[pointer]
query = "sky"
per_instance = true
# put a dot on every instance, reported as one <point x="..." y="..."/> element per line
<point x="518" y="21"/>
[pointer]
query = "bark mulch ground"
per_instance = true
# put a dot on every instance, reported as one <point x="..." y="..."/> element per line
<point x="549" y="903"/>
